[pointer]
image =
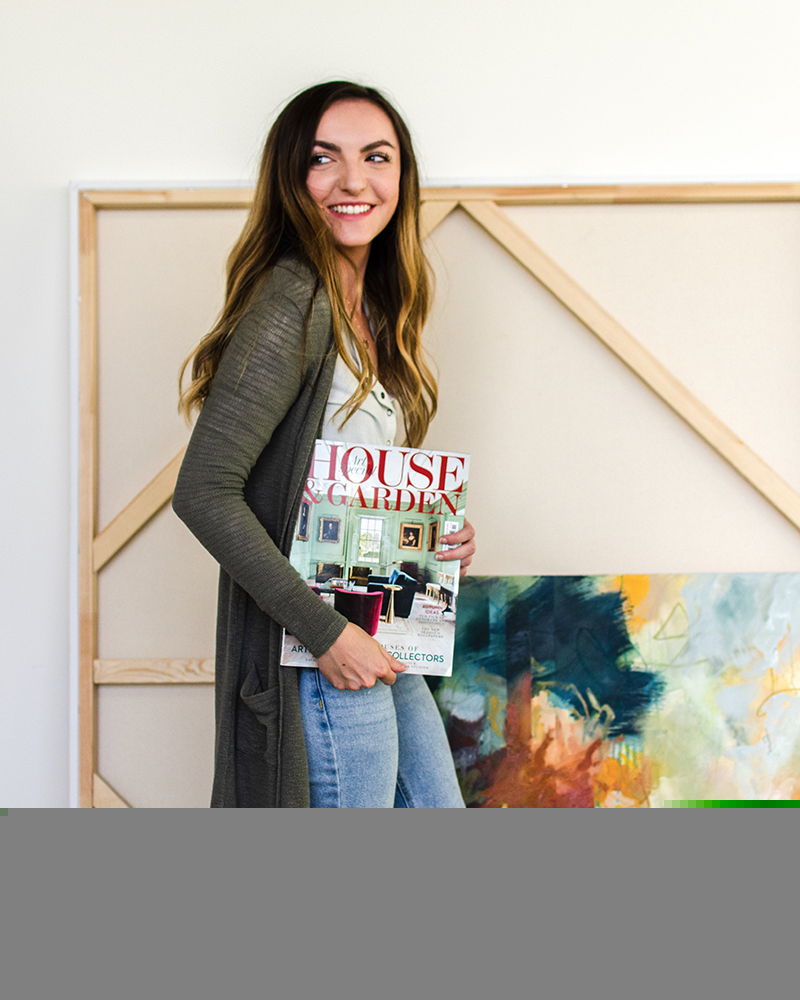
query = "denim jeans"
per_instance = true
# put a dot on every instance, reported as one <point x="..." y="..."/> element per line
<point x="378" y="747"/>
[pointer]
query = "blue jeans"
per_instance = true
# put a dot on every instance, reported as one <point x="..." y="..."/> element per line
<point x="378" y="747"/>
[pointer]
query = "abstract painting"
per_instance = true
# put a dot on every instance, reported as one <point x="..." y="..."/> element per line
<point x="626" y="691"/>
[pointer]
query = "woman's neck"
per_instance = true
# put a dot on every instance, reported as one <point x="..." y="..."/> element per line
<point x="352" y="269"/>
<point x="352" y="265"/>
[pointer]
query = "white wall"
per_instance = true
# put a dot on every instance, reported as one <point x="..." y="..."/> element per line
<point x="172" y="90"/>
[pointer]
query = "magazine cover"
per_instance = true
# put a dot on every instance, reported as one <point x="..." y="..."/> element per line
<point x="369" y="529"/>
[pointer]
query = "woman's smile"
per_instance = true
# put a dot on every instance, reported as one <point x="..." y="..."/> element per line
<point x="346" y="209"/>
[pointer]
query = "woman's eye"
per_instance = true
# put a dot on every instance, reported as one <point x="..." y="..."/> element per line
<point x="318" y="159"/>
<point x="378" y="157"/>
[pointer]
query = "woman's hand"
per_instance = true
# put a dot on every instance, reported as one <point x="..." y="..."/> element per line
<point x="464" y="541"/>
<point x="357" y="660"/>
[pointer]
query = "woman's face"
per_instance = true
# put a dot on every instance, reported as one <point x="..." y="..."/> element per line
<point x="354" y="175"/>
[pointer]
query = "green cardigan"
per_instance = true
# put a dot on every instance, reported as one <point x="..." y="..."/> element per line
<point x="239" y="492"/>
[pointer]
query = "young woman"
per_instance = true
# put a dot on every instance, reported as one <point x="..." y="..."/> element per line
<point x="320" y="336"/>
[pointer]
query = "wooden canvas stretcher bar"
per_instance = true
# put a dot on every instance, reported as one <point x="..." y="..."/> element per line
<point x="482" y="205"/>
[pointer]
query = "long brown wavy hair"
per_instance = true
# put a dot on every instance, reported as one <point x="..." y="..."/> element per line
<point x="284" y="219"/>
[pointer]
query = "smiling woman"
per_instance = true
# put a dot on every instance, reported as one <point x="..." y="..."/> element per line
<point x="355" y="180"/>
<point x="320" y="335"/>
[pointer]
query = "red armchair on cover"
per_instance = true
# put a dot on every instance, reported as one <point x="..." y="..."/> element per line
<point x="359" y="608"/>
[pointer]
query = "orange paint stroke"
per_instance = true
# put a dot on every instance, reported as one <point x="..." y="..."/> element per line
<point x="784" y="690"/>
<point x="625" y="780"/>
<point x="546" y="762"/>
<point x="634" y="589"/>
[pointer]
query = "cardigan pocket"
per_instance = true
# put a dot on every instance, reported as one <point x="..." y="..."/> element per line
<point x="263" y="706"/>
<point x="258" y="740"/>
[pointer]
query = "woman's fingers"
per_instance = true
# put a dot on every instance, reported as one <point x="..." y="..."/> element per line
<point x="393" y="668"/>
<point x="465" y="534"/>
<point x="464" y="542"/>
<point x="357" y="660"/>
<point x="465" y="551"/>
<point x="463" y="539"/>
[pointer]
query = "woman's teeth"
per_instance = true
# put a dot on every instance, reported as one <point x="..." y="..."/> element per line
<point x="350" y="209"/>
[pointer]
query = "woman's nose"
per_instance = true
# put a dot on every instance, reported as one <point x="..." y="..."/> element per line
<point x="353" y="180"/>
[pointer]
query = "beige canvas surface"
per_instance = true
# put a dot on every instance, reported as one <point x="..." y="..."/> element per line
<point x="160" y="286"/>
<point x="576" y="466"/>
<point x="579" y="467"/>
<point x="156" y="744"/>
<point x="711" y="290"/>
<point x="160" y="283"/>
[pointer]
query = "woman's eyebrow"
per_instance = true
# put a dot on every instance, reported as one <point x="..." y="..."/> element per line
<point x="333" y="148"/>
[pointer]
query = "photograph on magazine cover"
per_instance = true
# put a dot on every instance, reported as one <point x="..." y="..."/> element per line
<point x="370" y="526"/>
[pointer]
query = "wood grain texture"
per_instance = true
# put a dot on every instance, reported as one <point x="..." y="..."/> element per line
<point x="619" y="194"/>
<point x="87" y="498"/>
<point x="553" y="194"/>
<point x="171" y="198"/>
<point x="154" y="671"/>
<point x="137" y="513"/>
<point x="649" y="369"/>
<point x="104" y="796"/>
<point x="432" y="213"/>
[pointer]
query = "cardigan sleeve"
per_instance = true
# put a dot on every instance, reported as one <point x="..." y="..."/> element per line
<point x="255" y="385"/>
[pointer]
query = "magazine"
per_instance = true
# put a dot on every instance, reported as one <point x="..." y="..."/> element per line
<point x="369" y="528"/>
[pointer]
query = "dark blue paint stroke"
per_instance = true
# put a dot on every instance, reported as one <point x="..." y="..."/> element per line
<point x="571" y="639"/>
<point x="473" y="624"/>
<point x="578" y="642"/>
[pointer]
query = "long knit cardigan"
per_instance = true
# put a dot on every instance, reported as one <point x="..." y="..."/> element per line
<point x="239" y="492"/>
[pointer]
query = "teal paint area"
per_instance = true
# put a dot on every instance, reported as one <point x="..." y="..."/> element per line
<point x="626" y="691"/>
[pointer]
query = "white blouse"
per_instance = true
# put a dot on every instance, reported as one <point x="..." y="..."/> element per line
<point x="373" y="423"/>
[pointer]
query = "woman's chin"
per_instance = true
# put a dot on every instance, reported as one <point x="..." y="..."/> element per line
<point x="351" y="244"/>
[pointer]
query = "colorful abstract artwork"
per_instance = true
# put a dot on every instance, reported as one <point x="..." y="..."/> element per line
<point x="626" y="691"/>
